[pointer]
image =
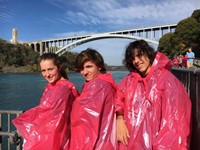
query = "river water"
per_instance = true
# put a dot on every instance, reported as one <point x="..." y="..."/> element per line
<point x="22" y="91"/>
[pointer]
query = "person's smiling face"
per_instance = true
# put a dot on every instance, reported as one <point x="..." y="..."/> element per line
<point x="50" y="71"/>
<point x="90" y="71"/>
<point x="141" y="63"/>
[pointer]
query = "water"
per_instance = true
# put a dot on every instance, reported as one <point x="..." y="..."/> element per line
<point x="23" y="91"/>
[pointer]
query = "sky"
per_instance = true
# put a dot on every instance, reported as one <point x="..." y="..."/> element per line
<point x="49" y="19"/>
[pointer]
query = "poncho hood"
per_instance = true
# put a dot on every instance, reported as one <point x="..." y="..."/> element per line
<point x="106" y="77"/>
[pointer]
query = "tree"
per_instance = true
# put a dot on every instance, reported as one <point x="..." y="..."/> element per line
<point x="187" y="34"/>
<point x="196" y="15"/>
<point x="16" y="54"/>
<point x="68" y="60"/>
<point x="188" y="31"/>
<point x="167" y="45"/>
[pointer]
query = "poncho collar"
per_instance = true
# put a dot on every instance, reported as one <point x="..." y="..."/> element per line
<point x="106" y="77"/>
<point x="160" y="62"/>
<point x="59" y="82"/>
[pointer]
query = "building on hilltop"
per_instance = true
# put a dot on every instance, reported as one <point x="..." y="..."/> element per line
<point x="14" y="39"/>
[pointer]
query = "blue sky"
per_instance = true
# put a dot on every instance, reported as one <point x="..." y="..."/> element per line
<point x="48" y="19"/>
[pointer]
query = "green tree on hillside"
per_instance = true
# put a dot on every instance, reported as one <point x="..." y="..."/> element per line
<point x="188" y="31"/>
<point x="22" y="55"/>
<point x="187" y="34"/>
<point x="167" y="39"/>
<point x="68" y="60"/>
<point x="16" y="55"/>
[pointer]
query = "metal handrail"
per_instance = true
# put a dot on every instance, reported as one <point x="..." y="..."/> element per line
<point x="13" y="136"/>
<point x="191" y="80"/>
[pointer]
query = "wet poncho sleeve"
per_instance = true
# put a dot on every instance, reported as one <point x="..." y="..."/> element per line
<point x="46" y="126"/>
<point x="120" y="96"/>
<point x="175" y="123"/>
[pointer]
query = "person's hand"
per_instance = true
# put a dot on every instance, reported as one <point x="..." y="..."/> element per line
<point x="122" y="130"/>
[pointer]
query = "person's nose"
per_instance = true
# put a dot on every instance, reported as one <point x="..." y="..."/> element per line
<point x="47" y="73"/>
<point x="136" y="60"/>
<point x="84" y="71"/>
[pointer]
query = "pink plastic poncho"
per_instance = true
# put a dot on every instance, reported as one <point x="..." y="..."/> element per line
<point x="46" y="126"/>
<point x="156" y="109"/>
<point x="92" y="117"/>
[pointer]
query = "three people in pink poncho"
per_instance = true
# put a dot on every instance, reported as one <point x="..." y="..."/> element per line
<point x="152" y="108"/>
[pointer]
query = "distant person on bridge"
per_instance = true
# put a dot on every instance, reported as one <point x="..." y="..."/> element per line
<point x="92" y="118"/>
<point x="190" y="56"/>
<point x="153" y="108"/>
<point x="46" y="126"/>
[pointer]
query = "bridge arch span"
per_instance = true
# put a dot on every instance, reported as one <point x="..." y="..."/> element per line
<point x="97" y="37"/>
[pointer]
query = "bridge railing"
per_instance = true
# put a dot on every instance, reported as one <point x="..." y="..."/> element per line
<point x="9" y="138"/>
<point x="191" y="80"/>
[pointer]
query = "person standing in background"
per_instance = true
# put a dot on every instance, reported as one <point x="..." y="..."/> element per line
<point x="47" y="126"/>
<point x="152" y="106"/>
<point x="190" y="56"/>
<point x="92" y="118"/>
<point x="180" y="60"/>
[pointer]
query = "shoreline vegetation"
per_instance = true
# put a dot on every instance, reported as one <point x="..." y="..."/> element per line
<point x="20" y="69"/>
<point x="35" y="69"/>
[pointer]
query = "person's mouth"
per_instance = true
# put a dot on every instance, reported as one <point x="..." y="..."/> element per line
<point x="139" y="65"/>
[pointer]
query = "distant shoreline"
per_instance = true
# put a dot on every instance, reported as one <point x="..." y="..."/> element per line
<point x="12" y="69"/>
<point x="28" y="69"/>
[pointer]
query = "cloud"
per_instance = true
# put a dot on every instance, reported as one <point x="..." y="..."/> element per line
<point x="116" y="14"/>
<point x="5" y="16"/>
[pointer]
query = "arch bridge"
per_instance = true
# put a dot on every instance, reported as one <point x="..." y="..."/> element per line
<point x="62" y="45"/>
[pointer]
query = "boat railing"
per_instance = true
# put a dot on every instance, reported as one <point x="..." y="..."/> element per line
<point x="8" y="133"/>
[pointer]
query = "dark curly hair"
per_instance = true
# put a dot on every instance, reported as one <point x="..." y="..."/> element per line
<point x="89" y="55"/>
<point x="142" y="48"/>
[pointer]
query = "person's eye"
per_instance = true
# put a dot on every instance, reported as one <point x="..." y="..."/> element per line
<point x="140" y="56"/>
<point x="89" y="66"/>
<point x="42" y="71"/>
<point x="50" y="69"/>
